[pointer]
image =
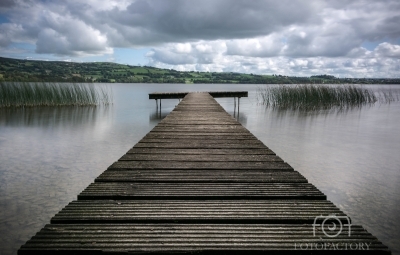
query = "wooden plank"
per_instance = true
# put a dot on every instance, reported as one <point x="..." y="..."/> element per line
<point x="200" y="101"/>
<point x="200" y="105"/>
<point x="197" y="105"/>
<point x="202" y="176"/>
<point x="199" y="114"/>
<point x="202" y="145"/>
<point x="188" y="121"/>
<point x="218" y="94"/>
<point x="181" y="122"/>
<point x="196" y="211"/>
<point x="244" y="140"/>
<point x="200" y="158"/>
<point x="231" y="151"/>
<point x="190" y="116"/>
<point x="200" y="191"/>
<point x="200" y="127"/>
<point x="226" y="135"/>
<point x="178" y="137"/>
<point x="196" y="122"/>
<point x="181" y="117"/>
<point x="166" y="95"/>
<point x="127" y="165"/>
<point x="187" y="109"/>
<point x="187" y="141"/>
<point x="197" y="238"/>
<point x="178" y="95"/>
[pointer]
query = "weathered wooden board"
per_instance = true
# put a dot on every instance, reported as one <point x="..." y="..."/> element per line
<point x="187" y="141"/>
<point x="208" y="151"/>
<point x="216" y="94"/>
<point x="200" y="158"/>
<point x="202" y="116"/>
<point x="182" y="122"/>
<point x="196" y="109"/>
<point x="199" y="238"/>
<point x="199" y="165"/>
<point x="196" y="117"/>
<point x="194" y="144"/>
<point x="178" y="137"/>
<point x="200" y="191"/>
<point x="224" y="135"/>
<point x="196" y="211"/>
<point x="203" y="176"/>
<point x="199" y="128"/>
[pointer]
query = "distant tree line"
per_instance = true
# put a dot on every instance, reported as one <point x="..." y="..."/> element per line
<point x="58" y="71"/>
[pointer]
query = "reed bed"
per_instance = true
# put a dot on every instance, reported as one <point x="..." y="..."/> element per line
<point x="319" y="97"/>
<point x="52" y="94"/>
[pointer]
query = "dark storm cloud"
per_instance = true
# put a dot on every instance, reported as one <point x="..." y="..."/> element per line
<point x="154" y="22"/>
<point x="180" y="20"/>
<point x="7" y="3"/>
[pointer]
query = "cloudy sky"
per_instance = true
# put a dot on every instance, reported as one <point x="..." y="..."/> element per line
<point x="344" y="38"/>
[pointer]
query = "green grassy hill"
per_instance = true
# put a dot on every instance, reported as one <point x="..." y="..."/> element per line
<point x="59" y="71"/>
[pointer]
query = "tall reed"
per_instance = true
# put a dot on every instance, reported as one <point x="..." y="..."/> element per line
<point x="52" y="94"/>
<point x="315" y="97"/>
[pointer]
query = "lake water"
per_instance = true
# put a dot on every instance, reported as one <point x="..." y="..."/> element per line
<point x="49" y="155"/>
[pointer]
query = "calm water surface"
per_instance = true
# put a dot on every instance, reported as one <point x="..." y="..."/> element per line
<point x="50" y="155"/>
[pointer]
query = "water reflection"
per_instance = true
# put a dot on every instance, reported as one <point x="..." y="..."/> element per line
<point x="288" y="113"/>
<point x="51" y="116"/>
<point x="157" y="115"/>
<point x="239" y="116"/>
<point x="47" y="155"/>
<point x="351" y="156"/>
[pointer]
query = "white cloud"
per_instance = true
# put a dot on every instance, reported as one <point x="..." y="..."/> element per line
<point x="293" y="37"/>
<point x="267" y="46"/>
<point x="387" y="50"/>
<point x="183" y="48"/>
<point x="66" y="35"/>
<point x="367" y="63"/>
<point x="10" y="32"/>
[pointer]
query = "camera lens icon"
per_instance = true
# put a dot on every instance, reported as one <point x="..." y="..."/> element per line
<point x="332" y="225"/>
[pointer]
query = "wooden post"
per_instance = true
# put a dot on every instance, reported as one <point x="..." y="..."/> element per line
<point x="238" y="106"/>
<point x="234" y="107"/>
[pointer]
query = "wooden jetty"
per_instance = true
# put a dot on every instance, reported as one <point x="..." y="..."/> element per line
<point x="200" y="182"/>
<point x="179" y="95"/>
